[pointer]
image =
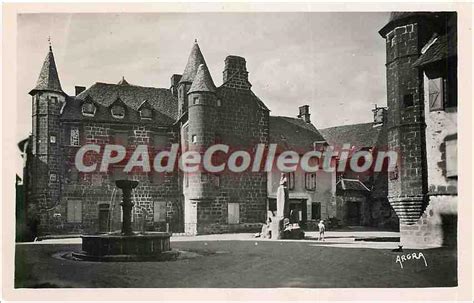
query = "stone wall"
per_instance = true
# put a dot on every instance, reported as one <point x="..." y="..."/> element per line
<point x="98" y="188"/>
<point x="407" y="185"/>
<point x="436" y="227"/>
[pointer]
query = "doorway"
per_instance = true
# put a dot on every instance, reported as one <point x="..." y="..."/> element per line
<point x="299" y="210"/>
<point x="353" y="213"/>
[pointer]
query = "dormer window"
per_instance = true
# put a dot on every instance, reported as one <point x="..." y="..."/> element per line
<point x="88" y="109"/>
<point x="118" y="111"/>
<point x="145" y="113"/>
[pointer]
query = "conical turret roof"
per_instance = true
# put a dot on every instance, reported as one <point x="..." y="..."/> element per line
<point x="48" y="79"/>
<point x="203" y="81"/>
<point x="195" y="59"/>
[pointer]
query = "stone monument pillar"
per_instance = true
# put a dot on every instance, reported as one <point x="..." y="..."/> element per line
<point x="282" y="207"/>
<point x="126" y="186"/>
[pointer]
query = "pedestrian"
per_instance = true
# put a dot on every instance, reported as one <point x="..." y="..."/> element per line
<point x="322" y="229"/>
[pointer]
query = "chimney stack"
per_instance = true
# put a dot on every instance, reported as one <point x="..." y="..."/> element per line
<point x="174" y="84"/>
<point x="304" y="113"/>
<point x="235" y="73"/>
<point x="79" y="89"/>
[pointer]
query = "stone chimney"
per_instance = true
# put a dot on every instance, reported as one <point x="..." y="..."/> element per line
<point x="235" y="73"/>
<point x="304" y="113"/>
<point x="380" y="115"/>
<point x="174" y="84"/>
<point x="79" y="89"/>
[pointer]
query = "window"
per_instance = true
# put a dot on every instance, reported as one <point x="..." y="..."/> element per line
<point x="53" y="99"/>
<point x="74" y="136"/>
<point x="74" y="211"/>
<point x="219" y="102"/>
<point x="233" y="213"/>
<point x="118" y="111"/>
<point x="315" y="211"/>
<point x="196" y="100"/>
<point x="407" y="100"/>
<point x="52" y="139"/>
<point x="52" y="177"/>
<point x="290" y="179"/>
<point x="146" y="113"/>
<point x="160" y="141"/>
<point x="186" y="180"/>
<point x="194" y="139"/>
<point x="159" y="211"/>
<point x="121" y="138"/>
<point x="310" y="181"/>
<point x="436" y="95"/>
<point x="452" y="157"/>
<point x="88" y="109"/>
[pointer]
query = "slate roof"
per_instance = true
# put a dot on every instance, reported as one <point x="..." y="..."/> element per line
<point x="162" y="102"/>
<point x="195" y="59"/>
<point x="293" y="134"/>
<point x="438" y="48"/>
<point x="351" y="184"/>
<point x="202" y="81"/>
<point x="48" y="79"/>
<point x="358" y="135"/>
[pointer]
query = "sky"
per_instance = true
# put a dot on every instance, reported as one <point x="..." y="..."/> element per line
<point x="334" y="62"/>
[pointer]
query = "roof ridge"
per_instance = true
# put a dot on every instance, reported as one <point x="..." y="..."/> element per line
<point x="344" y="125"/>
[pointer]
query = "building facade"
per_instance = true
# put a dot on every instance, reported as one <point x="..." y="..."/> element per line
<point x="192" y="114"/>
<point x="422" y="102"/>
<point x="361" y="197"/>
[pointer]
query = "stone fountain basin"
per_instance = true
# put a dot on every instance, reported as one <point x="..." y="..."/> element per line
<point x="118" y="247"/>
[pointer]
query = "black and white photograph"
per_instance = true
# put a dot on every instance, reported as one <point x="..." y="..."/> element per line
<point x="236" y="150"/>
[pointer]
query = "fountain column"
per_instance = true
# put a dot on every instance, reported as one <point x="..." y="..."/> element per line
<point x="126" y="186"/>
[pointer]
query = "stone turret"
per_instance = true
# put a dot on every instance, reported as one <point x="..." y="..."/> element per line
<point x="202" y="116"/>
<point x="47" y="100"/>
<point x="195" y="59"/>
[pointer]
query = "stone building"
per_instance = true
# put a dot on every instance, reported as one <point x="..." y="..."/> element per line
<point x="422" y="127"/>
<point x="311" y="193"/>
<point x="192" y="113"/>
<point x="361" y="198"/>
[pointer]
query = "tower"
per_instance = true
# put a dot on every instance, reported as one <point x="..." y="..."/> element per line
<point x="48" y="99"/>
<point x="195" y="59"/>
<point x="202" y="114"/>
<point x="405" y="35"/>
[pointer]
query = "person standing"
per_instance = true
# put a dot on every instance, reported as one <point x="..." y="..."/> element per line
<point x="322" y="229"/>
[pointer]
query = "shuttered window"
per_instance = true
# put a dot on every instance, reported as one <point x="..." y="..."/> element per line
<point x="436" y="95"/>
<point x="233" y="213"/>
<point x="159" y="211"/>
<point x="290" y="179"/>
<point x="310" y="181"/>
<point x="74" y="211"/>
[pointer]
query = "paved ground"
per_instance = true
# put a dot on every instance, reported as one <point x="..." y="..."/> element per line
<point x="244" y="262"/>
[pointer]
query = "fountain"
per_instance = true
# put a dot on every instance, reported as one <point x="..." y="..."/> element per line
<point x="126" y="245"/>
